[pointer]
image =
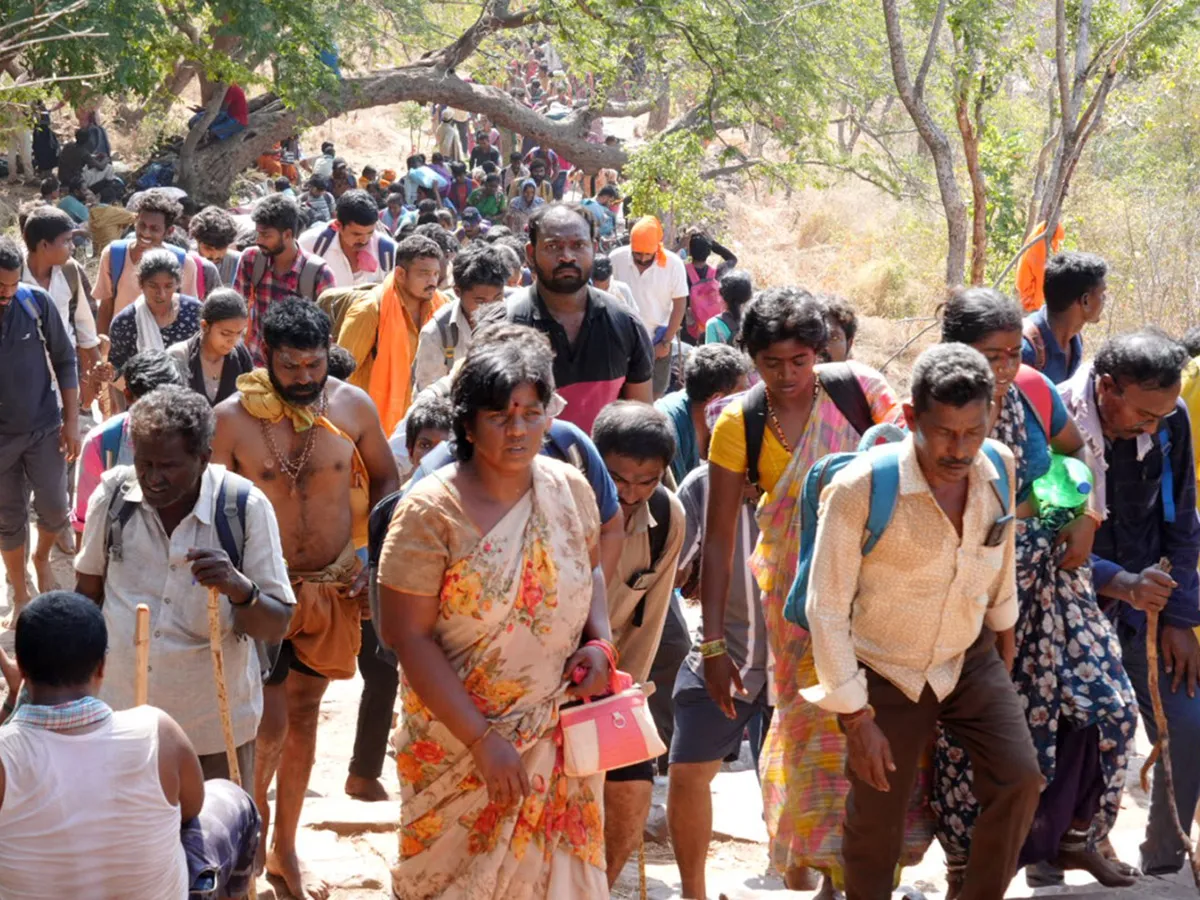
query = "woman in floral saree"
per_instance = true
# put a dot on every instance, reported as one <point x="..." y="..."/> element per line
<point x="804" y="756"/>
<point x="490" y="597"/>
<point x="1079" y="701"/>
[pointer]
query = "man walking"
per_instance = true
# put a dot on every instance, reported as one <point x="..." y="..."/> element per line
<point x="1128" y="409"/>
<point x="315" y="447"/>
<point x="658" y="280"/>
<point x="354" y="249"/>
<point x="900" y="647"/>
<point x="36" y="439"/>
<point x="1076" y="290"/>
<point x="601" y="352"/>
<point x="155" y="534"/>
<point x="637" y="446"/>
<point x="276" y="267"/>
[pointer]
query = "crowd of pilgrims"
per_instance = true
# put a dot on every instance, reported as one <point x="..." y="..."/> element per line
<point x="489" y="467"/>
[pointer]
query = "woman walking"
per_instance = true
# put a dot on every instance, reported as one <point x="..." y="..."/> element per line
<point x="805" y="413"/>
<point x="491" y="597"/>
<point x="211" y="361"/>
<point x="1080" y="703"/>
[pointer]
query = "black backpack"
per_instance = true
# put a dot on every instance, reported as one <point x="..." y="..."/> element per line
<point x="843" y="388"/>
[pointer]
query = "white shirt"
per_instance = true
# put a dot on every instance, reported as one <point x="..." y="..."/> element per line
<point x="621" y="291"/>
<point x="431" y="362"/>
<point x="82" y="331"/>
<point x="154" y="570"/>
<point x="654" y="290"/>
<point x="335" y="258"/>
<point x="84" y="814"/>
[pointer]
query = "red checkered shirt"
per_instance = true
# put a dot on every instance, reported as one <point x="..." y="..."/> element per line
<point x="271" y="289"/>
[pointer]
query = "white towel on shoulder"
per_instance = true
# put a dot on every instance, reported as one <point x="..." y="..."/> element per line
<point x="149" y="335"/>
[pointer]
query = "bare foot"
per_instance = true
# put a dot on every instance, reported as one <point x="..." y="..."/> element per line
<point x="1103" y="870"/>
<point x="955" y="878"/>
<point x="45" y="575"/>
<point x="20" y="601"/>
<point x="800" y="878"/>
<point x="66" y="541"/>
<point x="369" y="789"/>
<point x="828" y="891"/>
<point x="301" y="883"/>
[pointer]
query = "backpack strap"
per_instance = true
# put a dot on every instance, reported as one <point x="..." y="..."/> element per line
<point x="885" y="488"/>
<point x="1033" y="334"/>
<point x="118" y="251"/>
<point x="230" y="518"/>
<point x="387" y="253"/>
<point x="660" y="513"/>
<point x="1001" y="485"/>
<point x="309" y="271"/>
<point x="754" y="423"/>
<point x="259" y="270"/>
<point x="1167" y="481"/>
<point x="71" y="272"/>
<point x="27" y="302"/>
<point x="120" y="511"/>
<point x="111" y="435"/>
<point x="845" y="390"/>
<point x="1036" y="391"/>
<point x="324" y="241"/>
<point x="201" y="283"/>
<point x="447" y="333"/>
<point x="568" y="453"/>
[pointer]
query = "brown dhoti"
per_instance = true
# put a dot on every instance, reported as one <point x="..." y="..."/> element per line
<point x="326" y="633"/>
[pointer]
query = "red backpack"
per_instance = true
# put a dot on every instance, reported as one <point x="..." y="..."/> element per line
<point x="704" y="300"/>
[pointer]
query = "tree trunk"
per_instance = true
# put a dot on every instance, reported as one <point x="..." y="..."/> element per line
<point x="187" y="172"/>
<point x="218" y="163"/>
<point x="660" y="115"/>
<point x="933" y="138"/>
<point x="970" y="139"/>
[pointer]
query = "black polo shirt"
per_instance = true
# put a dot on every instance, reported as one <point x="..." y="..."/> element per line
<point x="611" y="349"/>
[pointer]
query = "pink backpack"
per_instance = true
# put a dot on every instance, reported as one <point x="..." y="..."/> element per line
<point x="705" y="300"/>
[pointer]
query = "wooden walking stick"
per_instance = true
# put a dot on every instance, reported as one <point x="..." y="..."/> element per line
<point x="102" y="393"/>
<point x="1162" y="747"/>
<point x="141" y="646"/>
<point x="218" y="661"/>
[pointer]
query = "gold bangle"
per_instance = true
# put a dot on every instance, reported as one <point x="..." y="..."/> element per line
<point x="479" y="740"/>
<point x="714" y="648"/>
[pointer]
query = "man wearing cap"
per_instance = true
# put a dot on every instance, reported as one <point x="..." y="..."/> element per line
<point x="658" y="280"/>
<point x="473" y="226"/>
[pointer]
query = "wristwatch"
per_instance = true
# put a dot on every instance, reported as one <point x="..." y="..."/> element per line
<point x="246" y="604"/>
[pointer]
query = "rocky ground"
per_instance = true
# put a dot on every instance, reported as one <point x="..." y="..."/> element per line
<point x="352" y="843"/>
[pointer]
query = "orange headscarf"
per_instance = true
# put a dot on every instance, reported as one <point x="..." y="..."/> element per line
<point x="391" y="374"/>
<point x="1031" y="271"/>
<point x="646" y="237"/>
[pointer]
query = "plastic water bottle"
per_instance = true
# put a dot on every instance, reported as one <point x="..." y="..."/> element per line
<point x="1065" y="486"/>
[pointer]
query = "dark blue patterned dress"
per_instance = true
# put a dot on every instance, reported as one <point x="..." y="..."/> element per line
<point x="1068" y="673"/>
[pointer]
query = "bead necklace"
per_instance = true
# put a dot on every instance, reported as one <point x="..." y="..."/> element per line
<point x="293" y="470"/>
<point x="778" y="428"/>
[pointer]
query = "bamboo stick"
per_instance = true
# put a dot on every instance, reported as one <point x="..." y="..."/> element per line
<point x="141" y="646"/>
<point x="1162" y="747"/>
<point x="218" y="661"/>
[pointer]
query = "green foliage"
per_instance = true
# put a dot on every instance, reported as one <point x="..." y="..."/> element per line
<point x="663" y="178"/>
<point x="1002" y="156"/>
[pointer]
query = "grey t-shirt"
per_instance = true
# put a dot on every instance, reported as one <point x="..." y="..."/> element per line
<point x="745" y="626"/>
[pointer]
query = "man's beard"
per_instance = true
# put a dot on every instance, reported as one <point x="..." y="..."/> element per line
<point x="563" y="282"/>
<point x="297" y="396"/>
<point x="271" y="252"/>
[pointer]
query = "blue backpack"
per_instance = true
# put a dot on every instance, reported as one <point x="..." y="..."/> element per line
<point x="885" y="488"/>
<point x="118" y="251"/>
<point x="387" y="248"/>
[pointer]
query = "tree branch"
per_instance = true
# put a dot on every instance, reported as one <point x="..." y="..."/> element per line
<point x="930" y="48"/>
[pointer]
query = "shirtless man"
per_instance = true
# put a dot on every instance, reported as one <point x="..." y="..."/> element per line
<point x="322" y="481"/>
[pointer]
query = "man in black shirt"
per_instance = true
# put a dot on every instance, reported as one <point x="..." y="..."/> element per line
<point x="484" y="151"/>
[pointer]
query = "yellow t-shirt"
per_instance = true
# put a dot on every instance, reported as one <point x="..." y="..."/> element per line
<point x="728" y="447"/>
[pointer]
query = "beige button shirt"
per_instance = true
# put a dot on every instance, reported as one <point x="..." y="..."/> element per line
<point x="154" y="570"/>
<point x="637" y="644"/>
<point x="911" y="608"/>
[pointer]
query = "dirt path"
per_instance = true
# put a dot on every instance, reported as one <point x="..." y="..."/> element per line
<point x="352" y="843"/>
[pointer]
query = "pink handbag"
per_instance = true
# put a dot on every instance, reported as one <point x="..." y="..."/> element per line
<point x="610" y="733"/>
